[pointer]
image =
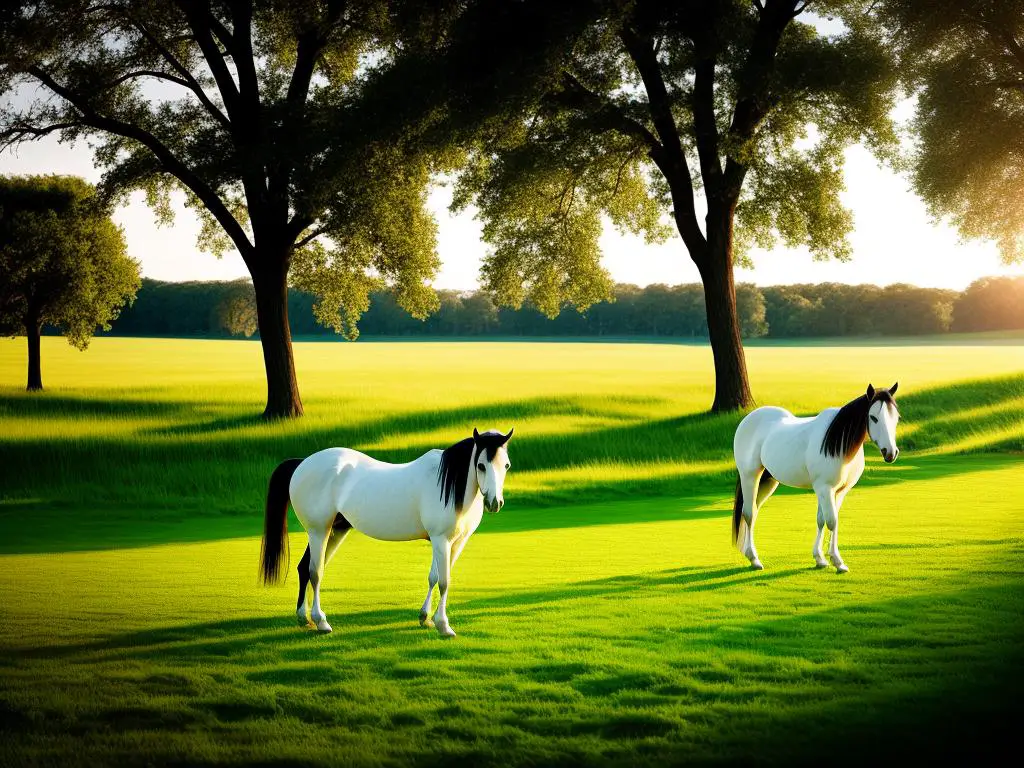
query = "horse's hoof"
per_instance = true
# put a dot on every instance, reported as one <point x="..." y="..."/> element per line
<point x="302" y="619"/>
<point x="323" y="626"/>
<point x="425" y="621"/>
<point x="756" y="565"/>
<point x="445" y="630"/>
<point x="842" y="568"/>
<point x="819" y="564"/>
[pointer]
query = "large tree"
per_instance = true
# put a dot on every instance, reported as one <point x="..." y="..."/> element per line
<point x="742" y="108"/>
<point x="964" y="60"/>
<point x="258" y="111"/>
<point x="62" y="263"/>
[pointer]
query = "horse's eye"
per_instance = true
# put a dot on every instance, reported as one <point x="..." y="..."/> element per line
<point x="874" y="419"/>
<point x="481" y="467"/>
<point x="507" y="466"/>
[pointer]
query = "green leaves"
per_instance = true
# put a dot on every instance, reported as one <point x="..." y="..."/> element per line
<point x="656" y="105"/>
<point x="965" y="63"/>
<point x="392" y="242"/>
<point x="63" y="259"/>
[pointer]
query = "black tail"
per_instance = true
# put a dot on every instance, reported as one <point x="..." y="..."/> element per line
<point x="737" y="512"/>
<point x="275" y="523"/>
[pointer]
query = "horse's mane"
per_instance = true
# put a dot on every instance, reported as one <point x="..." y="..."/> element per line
<point x="456" y="460"/>
<point x="849" y="427"/>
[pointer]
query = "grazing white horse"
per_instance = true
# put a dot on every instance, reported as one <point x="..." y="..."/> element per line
<point x="441" y="496"/>
<point x="824" y="452"/>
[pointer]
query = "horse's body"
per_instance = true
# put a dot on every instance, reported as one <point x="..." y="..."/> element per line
<point x="441" y="497"/>
<point x="823" y="452"/>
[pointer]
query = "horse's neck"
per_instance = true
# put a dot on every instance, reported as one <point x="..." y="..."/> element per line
<point x="472" y="487"/>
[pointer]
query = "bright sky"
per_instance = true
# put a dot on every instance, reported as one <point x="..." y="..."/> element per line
<point x="894" y="240"/>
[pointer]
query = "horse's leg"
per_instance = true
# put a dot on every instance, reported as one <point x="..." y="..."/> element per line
<point x="830" y="511"/>
<point x="431" y="583"/>
<point x="837" y="559"/>
<point x="819" y="557"/>
<point x="443" y="561"/>
<point x="457" y="546"/>
<point x="339" y="531"/>
<point x="748" y="486"/>
<point x="317" y="560"/>
<point x="303" y="569"/>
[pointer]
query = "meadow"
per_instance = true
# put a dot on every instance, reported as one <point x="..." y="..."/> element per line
<point x="603" y="616"/>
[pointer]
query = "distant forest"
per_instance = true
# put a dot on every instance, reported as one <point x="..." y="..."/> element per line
<point x="227" y="309"/>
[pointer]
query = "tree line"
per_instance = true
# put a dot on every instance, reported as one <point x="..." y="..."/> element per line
<point x="306" y="135"/>
<point x="227" y="309"/>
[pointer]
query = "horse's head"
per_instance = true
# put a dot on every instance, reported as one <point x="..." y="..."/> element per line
<point x="491" y="458"/>
<point x="882" y="420"/>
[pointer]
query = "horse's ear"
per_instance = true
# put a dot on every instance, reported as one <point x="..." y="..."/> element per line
<point x="871" y="392"/>
<point x="476" y="436"/>
<point x="508" y="436"/>
<point x="892" y="389"/>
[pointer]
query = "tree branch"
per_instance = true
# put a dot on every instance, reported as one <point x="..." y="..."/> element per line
<point x="705" y="124"/>
<point x="310" y="237"/>
<point x="201" y="21"/>
<point x="754" y="100"/>
<point x="147" y="73"/>
<point x="669" y="157"/>
<point x="239" y="44"/>
<point x="309" y="46"/>
<point x="603" y="114"/>
<point x="187" y="78"/>
<point x="25" y="132"/>
<point x="171" y="163"/>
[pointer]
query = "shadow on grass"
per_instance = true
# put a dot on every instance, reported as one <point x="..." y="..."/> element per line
<point x="207" y="480"/>
<point x="924" y="677"/>
<point x="50" y="405"/>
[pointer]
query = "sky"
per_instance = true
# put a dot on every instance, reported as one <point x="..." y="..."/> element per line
<point x="893" y="241"/>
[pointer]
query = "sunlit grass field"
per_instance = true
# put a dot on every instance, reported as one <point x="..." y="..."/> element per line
<point x="603" y="616"/>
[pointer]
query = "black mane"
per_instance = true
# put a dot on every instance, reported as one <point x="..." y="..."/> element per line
<point x="849" y="428"/>
<point x="453" y="473"/>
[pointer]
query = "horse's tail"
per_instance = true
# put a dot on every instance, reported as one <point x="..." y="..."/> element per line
<point x="275" y="522"/>
<point x="737" y="512"/>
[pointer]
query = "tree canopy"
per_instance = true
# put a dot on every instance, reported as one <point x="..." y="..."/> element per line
<point x="304" y="132"/>
<point x="63" y="262"/>
<point x="740" y="108"/>
<point x="964" y="60"/>
<point x="258" y="111"/>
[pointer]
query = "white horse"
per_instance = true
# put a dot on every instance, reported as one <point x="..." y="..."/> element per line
<point x="824" y="452"/>
<point x="441" y="496"/>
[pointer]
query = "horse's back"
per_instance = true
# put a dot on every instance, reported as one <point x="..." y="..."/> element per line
<point x="775" y="439"/>
<point x="751" y="433"/>
<point x="378" y="499"/>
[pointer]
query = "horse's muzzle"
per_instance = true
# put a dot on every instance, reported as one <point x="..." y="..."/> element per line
<point x="890" y="457"/>
<point x="493" y="505"/>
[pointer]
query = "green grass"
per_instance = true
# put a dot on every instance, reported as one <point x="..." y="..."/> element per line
<point x="603" y="616"/>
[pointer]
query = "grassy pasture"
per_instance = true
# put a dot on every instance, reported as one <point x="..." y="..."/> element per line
<point x="603" y="616"/>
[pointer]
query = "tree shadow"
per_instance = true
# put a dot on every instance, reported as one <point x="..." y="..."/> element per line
<point x="229" y="637"/>
<point x="57" y="405"/>
<point x="206" y="480"/>
<point x="921" y="677"/>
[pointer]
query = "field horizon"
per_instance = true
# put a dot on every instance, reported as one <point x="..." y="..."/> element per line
<point x="603" y="616"/>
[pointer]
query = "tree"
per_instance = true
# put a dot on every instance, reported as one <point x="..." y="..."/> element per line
<point x="657" y="104"/>
<point x="964" y="59"/>
<point x="990" y="304"/>
<point x="236" y="309"/>
<point x="265" y="114"/>
<point x="63" y="263"/>
<point x="750" y="309"/>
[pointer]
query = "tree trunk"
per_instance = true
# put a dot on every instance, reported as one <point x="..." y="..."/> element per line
<point x="35" y="373"/>
<point x="732" y="389"/>
<point x="271" y="287"/>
